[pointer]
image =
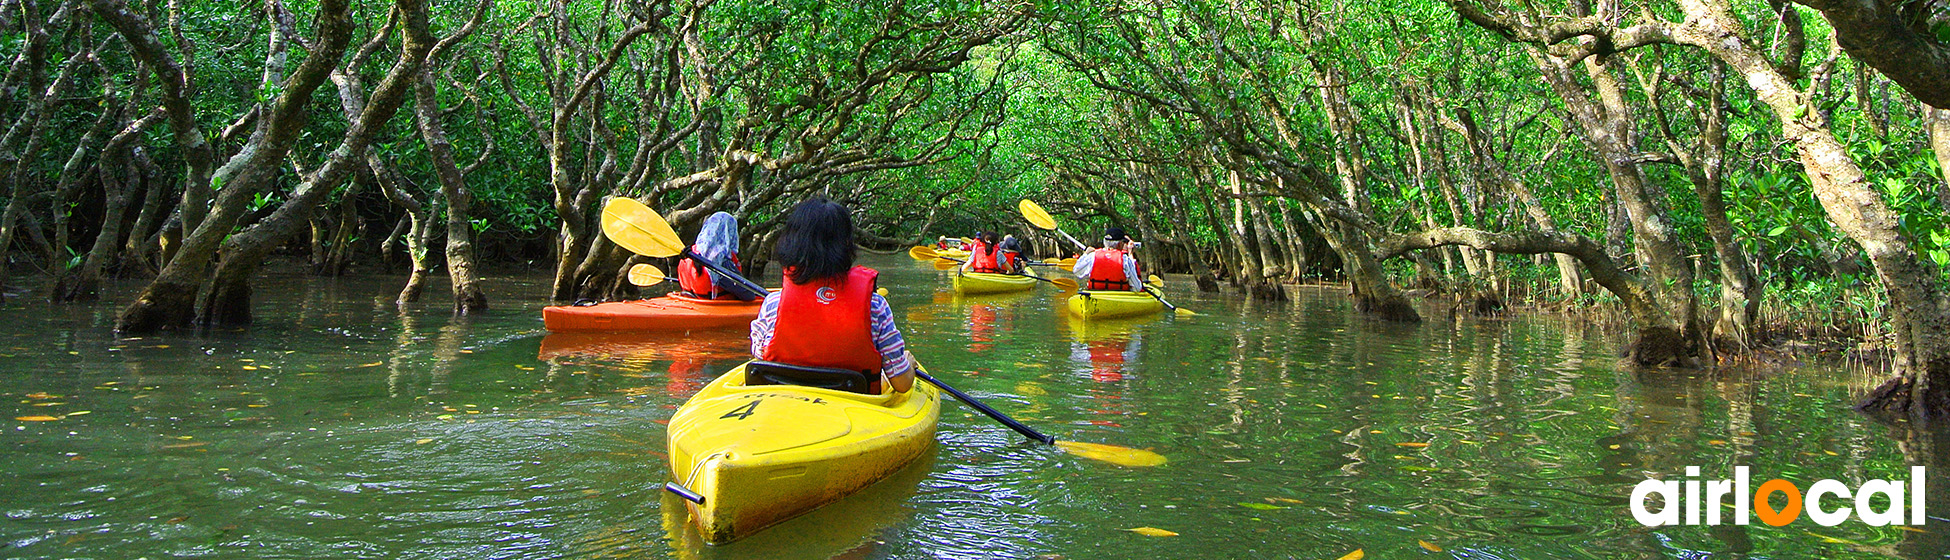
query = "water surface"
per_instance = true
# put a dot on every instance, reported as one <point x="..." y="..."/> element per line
<point x="339" y="426"/>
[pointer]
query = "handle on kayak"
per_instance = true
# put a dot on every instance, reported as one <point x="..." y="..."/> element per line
<point x="992" y="413"/>
<point x="684" y="493"/>
<point x="757" y="290"/>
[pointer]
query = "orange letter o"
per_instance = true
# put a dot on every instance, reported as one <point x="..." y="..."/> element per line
<point x="1777" y="517"/>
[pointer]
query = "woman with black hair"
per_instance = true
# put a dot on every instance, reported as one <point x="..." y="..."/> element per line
<point x="828" y="315"/>
<point x="983" y="256"/>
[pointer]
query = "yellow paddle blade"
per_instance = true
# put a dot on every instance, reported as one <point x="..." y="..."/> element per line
<point x="1155" y="281"/>
<point x="1065" y="284"/>
<point x="1183" y="312"/>
<point x="881" y="291"/>
<point x="967" y="242"/>
<point x="1035" y="214"/>
<point x="1112" y="454"/>
<point x="945" y="264"/>
<point x="638" y="228"/>
<point x="922" y="253"/>
<point x="646" y="275"/>
<point x="1070" y="262"/>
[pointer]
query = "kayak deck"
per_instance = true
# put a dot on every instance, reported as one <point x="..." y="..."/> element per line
<point x="1106" y="305"/>
<point x="990" y="283"/>
<point x="671" y="312"/>
<point x="759" y="455"/>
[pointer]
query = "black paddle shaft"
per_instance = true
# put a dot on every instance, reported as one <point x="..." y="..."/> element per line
<point x="757" y="290"/>
<point x="992" y="413"/>
<point x="1161" y="298"/>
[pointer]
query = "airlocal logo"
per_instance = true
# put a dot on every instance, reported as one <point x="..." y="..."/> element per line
<point x="1685" y="499"/>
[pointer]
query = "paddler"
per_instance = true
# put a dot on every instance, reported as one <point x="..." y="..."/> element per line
<point x="828" y="315"/>
<point x="1010" y="255"/>
<point x="1112" y="268"/>
<point x="984" y="255"/>
<point x="718" y="243"/>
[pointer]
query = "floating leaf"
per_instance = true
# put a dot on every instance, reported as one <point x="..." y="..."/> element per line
<point x="1358" y="554"/>
<point x="1260" y="506"/>
<point x="81" y="412"/>
<point x="423" y="441"/>
<point x="41" y="396"/>
<point x="1284" y="500"/>
<point x="37" y="418"/>
<point x="1414" y="444"/>
<point x="1152" y="532"/>
<point x="374" y="364"/>
<point x="1429" y="546"/>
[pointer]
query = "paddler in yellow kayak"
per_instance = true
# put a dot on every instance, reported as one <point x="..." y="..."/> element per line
<point x="718" y="243"/>
<point x="1111" y="268"/>
<point x="986" y="256"/>
<point x="828" y="315"/>
<point x="1009" y="255"/>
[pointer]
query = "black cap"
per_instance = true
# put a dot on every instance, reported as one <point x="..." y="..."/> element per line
<point x="1116" y="234"/>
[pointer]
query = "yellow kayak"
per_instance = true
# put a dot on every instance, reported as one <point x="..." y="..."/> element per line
<point x="988" y="283"/>
<point x="1105" y="305"/>
<point x="755" y="455"/>
<point x="957" y="254"/>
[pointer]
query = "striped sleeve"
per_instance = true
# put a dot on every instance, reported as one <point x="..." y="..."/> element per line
<point x="768" y="317"/>
<point x="886" y="338"/>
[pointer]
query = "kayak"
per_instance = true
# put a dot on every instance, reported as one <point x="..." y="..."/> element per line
<point x="672" y="312"/>
<point x="957" y="254"/>
<point x="757" y="455"/>
<point x="841" y="526"/>
<point x="1106" y="305"/>
<point x="989" y="283"/>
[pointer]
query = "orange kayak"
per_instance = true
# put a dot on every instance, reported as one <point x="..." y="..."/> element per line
<point x="672" y="312"/>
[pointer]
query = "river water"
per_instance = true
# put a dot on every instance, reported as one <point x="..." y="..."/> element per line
<point x="338" y="426"/>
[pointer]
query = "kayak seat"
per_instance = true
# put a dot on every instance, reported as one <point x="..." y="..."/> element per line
<point x="774" y="373"/>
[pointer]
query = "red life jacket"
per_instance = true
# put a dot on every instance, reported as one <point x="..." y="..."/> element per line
<point x="697" y="279"/>
<point x="827" y="323"/>
<point x="981" y="258"/>
<point x="1107" y="273"/>
<point x="1009" y="260"/>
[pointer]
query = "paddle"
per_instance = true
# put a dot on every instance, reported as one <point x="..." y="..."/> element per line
<point x="1058" y="263"/>
<point x="1159" y="283"/>
<point x="945" y="263"/>
<point x="645" y="232"/>
<point x="646" y="275"/>
<point x="1042" y="220"/>
<point x="1108" y="453"/>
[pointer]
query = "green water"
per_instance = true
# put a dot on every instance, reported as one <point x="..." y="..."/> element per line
<point x="339" y="427"/>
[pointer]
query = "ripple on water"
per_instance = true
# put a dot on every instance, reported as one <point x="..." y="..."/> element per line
<point x="352" y="436"/>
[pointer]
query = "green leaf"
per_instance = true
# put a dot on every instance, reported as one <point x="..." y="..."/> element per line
<point x="1260" y="506"/>
<point x="1777" y="231"/>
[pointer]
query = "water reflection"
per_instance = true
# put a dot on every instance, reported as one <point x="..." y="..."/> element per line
<point x="340" y="426"/>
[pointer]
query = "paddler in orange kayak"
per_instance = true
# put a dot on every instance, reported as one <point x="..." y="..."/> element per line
<point x="828" y="315"/>
<point x="717" y="242"/>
